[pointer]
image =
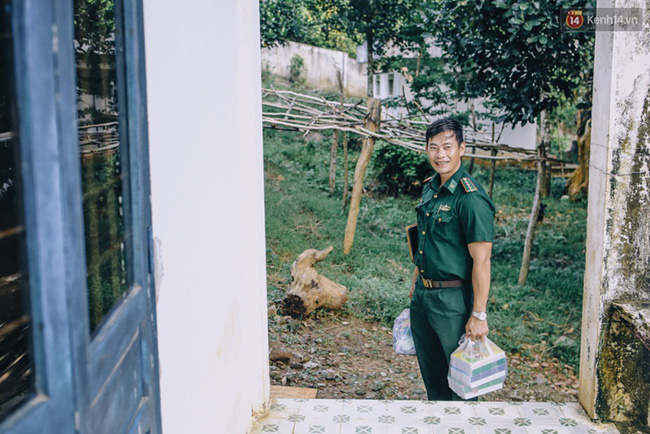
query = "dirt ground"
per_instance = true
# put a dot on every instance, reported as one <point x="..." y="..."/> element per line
<point x="345" y="357"/>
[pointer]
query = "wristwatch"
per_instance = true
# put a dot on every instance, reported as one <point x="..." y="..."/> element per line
<point x="481" y="316"/>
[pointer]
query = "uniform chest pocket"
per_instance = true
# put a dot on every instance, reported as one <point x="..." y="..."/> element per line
<point x="446" y="223"/>
<point x="421" y="214"/>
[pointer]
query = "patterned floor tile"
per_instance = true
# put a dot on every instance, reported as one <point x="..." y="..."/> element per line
<point x="321" y="408"/>
<point x="408" y="410"/>
<point x="269" y="425"/>
<point x="455" y="428"/>
<point x="279" y="408"/>
<point x="548" y="429"/>
<point x="574" y="410"/>
<point x="288" y="416"/>
<point x="497" y="411"/>
<point x="592" y="428"/>
<point x="541" y="411"/>
<point x="365" y="410"/>
<point x="452" y="411"/>
<point x="501" y="427"/>
<point x="363" y="427"/>
<point x="409" y="427"/>
<point x="317" y="427"/>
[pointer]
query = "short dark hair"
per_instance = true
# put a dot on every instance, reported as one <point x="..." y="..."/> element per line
<point x="446" y="124"/>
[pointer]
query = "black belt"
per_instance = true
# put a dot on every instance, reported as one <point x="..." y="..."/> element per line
<point x="438" y="284"/>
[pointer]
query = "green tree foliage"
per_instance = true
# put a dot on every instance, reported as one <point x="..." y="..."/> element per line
<point x="280" y="21"/>
<point x="314" y="22"/>
<point x="511" y="52"/>
<point x="380" y="23"/>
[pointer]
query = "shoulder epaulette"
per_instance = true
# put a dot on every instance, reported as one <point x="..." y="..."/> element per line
<point x="468" y="185"/>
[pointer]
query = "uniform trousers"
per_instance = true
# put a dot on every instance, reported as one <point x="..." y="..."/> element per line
<point x="438" y="319"/>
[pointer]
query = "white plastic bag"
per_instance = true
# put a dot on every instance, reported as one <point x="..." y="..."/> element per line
<point x="402" y="337"/>
<point x="477" y="368"/>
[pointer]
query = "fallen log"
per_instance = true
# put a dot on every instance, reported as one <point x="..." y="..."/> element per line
<point x="309" y="290"/>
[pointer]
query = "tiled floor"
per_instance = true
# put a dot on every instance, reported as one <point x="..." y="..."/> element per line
<point x="343" y="416"/>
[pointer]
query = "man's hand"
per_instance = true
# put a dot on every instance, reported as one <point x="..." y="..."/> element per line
<point x="476" y="329"/>
<point x="415" y="276"/>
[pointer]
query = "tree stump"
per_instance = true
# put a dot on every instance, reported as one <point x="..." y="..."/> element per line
<point x="309" y="290"/>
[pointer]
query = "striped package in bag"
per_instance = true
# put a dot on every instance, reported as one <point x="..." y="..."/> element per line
<point x="477" y="368"/>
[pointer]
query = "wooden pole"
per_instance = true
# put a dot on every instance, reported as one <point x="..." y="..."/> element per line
<point x="339" y="78"/>
<point x="493" y="166"/>
<point x="546" y="142"/>
<point x="333" y="151"/>
<point x="345" y="168"/>
<point x="492" y="171"/>
<point x="534" y="215"/>
<point x="471" y="161"/>
<point x="372" y="124"/>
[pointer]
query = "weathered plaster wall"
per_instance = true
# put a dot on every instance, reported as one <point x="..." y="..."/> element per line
<point x="618" y="229"/>
<point x="205" y="131"/>
<point x="321" y="66"/>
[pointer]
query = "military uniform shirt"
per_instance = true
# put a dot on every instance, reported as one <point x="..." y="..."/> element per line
<point x="450" y="217"/>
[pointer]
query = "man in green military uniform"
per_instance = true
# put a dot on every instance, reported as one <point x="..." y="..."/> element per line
<point x="451" y="280"/>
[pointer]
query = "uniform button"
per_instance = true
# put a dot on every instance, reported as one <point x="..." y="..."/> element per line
<point x="428" y="214"/>
<point x="439" y="220"/>
<point x="423" y="232"/>
<point x="420" y="252"/>
<point x="421" y="271"/>
<point x="435" y="196"/>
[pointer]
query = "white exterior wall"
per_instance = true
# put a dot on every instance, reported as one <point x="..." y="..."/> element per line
<point x="321" y="66"/>
<point x="205" y="136"/>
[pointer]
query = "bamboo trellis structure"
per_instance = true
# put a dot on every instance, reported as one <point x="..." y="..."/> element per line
<point x="288" y="110"/>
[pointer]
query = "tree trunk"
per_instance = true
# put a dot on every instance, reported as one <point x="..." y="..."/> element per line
<point x="579" y="181"/>
<point x="372" y="124"/>
<point x="371" y="65"/>
<point x="534" y="215"/>
<point x="333" y="151"/>
<point x="309" y="290"/>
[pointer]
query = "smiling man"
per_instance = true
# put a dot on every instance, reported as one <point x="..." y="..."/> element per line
<point x="451" y="279"/>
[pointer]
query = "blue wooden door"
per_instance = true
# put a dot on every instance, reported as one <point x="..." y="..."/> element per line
<point x="81" y="105"/>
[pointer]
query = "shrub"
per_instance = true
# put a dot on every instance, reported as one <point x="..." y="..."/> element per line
<point x="399" y="170"/>
<point x="297" y="70"/>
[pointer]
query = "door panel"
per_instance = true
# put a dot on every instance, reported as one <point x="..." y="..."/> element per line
<point x="121" y="354"/>
<point x="101" y="380"/>
<point x="51" y="407"/>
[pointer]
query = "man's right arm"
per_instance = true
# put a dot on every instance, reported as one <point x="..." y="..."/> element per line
<point x="415" y="276"/>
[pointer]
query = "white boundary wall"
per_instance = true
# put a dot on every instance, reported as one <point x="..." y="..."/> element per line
<point x="205" y="135"/>
<point x="321" y="66"/>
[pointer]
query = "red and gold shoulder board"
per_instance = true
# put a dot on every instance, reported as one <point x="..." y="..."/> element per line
<point x="468" y="185"/>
